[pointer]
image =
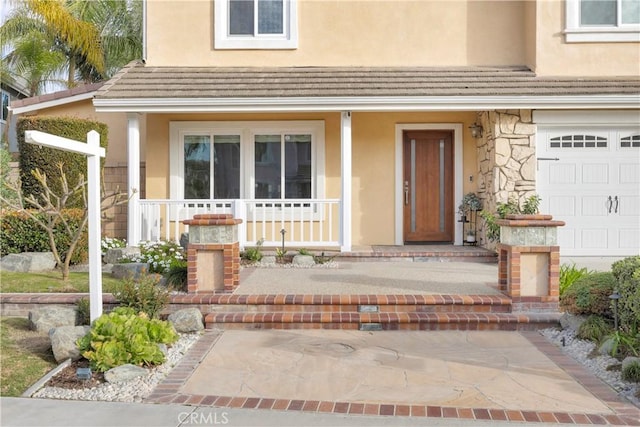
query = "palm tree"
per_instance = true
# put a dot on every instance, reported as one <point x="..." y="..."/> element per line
<point x="94" y="38"/>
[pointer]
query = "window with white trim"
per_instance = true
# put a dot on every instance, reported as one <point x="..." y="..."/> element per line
<point x="578" y="141"/>
<point x="256" y="24"/>
<point x="247" y="160"/>
<point x="602" y="21"/>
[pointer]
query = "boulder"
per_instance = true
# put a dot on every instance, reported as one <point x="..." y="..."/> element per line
<point x="63" y="341"/>
<point x="28" y="261"/>
<point x="46" y="318"/>
<point x="571" y="321"/>
<point x="268" y="260"/>
<point x="606" y="348"/>
<point x="187" y="320"/>
<point x="303" y="260"/>
<point x="124" y="373"/>
<point x="184" y="240"/>
<point x="133" y="270"/>
<point x="116" y="255"/>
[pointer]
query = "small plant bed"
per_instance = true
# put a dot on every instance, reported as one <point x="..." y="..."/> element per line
<point x="67" y="378"/>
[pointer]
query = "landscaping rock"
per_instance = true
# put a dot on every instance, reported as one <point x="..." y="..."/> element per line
<point x="268" y="260"/>
<point x="303" y="260"/>
<point x="124" y="373"/>
<point x="187" y="320"/>
<point x="116" y="255"/>
<point x="606" y="347"/>
<point x="133" y="270"/>
<point x="49" y="317"/>
<point x="28" y="261"/>
<point x="63" y="341"/>
<point x="164" y="349"/>
<point x="571" y="321"/>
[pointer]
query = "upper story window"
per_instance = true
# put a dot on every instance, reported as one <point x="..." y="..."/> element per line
<point x="603" y="21"/>
<point x="256" y="24"/>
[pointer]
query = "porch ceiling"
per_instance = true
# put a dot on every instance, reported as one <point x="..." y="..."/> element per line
<point x="184" y="89"/>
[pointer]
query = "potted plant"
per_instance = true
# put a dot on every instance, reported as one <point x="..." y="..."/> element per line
<point x="470" y="202"/>
<point x="471" y="236"/>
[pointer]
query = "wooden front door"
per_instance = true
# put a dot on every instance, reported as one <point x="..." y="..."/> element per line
<point x="428" y="186"/>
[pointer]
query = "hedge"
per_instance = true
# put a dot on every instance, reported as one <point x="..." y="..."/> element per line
<point x="627" y="274"/>
<point x="19" y="233"/>
<point x="47" y="159"/>
<point x="590" y="295"/>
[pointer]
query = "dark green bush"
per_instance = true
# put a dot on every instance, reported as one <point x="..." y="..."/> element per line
<point x="47" y="159"/>
<point x="177" y="275"/>
<point x="19" y="233"/>
<point x="627" y="274"/>
<point x="590" y="295"/>
<point x="144" y="295"/>
<point x="631" y="372"/>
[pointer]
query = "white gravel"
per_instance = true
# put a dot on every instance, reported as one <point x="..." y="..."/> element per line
<point x="131" y="391"/>
<point x="583" y="352"/>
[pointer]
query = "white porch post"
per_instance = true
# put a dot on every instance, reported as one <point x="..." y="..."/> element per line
<point x="134" y="232"/>
<point x="345" y="171"/>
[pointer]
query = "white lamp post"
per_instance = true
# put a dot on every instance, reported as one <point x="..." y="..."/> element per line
<point x="93" y="152"/>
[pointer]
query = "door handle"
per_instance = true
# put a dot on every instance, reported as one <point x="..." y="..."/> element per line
<point x="406" y="192"/>
<point x="609" y="204"/>
<point x="617" y="203"/>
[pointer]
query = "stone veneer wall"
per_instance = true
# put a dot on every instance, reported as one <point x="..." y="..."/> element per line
<point x="506" y="159"/>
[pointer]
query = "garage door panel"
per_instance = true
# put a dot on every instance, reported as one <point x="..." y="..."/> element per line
<point x="629" y="238"/>
<point x="562" y="174"/>
<point x="629" y="206"/>
<point x="567" y="238"/>
<point x="563" y="205"/>
<point x="595" y="173"/>
<point x="594" y="206"/>
<point x="629" y="173"/>
<point x="593" y="238"/>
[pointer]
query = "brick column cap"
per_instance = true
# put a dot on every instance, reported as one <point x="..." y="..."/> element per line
<point x="212" y="219"/>
<point x="523" y="220"/>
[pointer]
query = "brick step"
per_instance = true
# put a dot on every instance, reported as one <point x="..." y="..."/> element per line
<point x="382" y="321"/>
<point x="488" y="305"/>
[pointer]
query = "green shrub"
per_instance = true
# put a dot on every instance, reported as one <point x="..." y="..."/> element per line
<point x="590" y="295"/>
<point x="624" y="344"/>
<point x="627" y="274"/>
<point x="177" y="275"/>
<point x="19" y="233"/>
<point x="47" y="159"/>
<point x="253" y="254"/>
<point x="159" y="255"/>
<point x="144" y="295"/>
<point x="122" y="337"/>
<point x="631" y="372"/>
<point x="492" y="229"/>
<point x="5" y="173"/>
<point x="304" y="252"/>
<point x="569" y="274"/>
<point x="595" y="328"/>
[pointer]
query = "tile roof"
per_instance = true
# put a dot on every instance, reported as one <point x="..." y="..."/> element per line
<point x="137" y="81"/>
<point x="57" y="96"/>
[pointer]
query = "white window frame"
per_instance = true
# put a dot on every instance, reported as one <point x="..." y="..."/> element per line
<point x="224" y="40"/>
<point x="574" y="33"/>
<point x="247" y="131"/>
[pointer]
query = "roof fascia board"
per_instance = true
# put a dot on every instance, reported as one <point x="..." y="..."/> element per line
<point x="450" y="103"/>
<point x="52" y="103"/>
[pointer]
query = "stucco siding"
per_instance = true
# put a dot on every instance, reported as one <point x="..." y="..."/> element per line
<point x="350" y="33"/>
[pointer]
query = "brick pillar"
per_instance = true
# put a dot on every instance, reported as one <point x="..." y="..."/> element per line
<point x="213" y="253"/>
<point x="529" y="261"/>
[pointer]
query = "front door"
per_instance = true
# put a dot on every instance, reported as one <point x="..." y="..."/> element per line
<point x="428" y="186"/>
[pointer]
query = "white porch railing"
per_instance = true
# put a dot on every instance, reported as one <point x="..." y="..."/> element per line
<point x="306" y="222"/>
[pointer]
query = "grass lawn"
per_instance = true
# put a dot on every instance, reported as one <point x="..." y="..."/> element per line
<point x="51" y="281"/>
<point x="25" y="356"/>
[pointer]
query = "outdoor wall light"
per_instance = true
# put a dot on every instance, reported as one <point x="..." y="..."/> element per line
<point x="476" y="130"/>
<point x="83" y="374"/>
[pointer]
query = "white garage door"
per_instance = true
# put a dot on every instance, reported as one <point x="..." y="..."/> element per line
<point x="589" y="177"/>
